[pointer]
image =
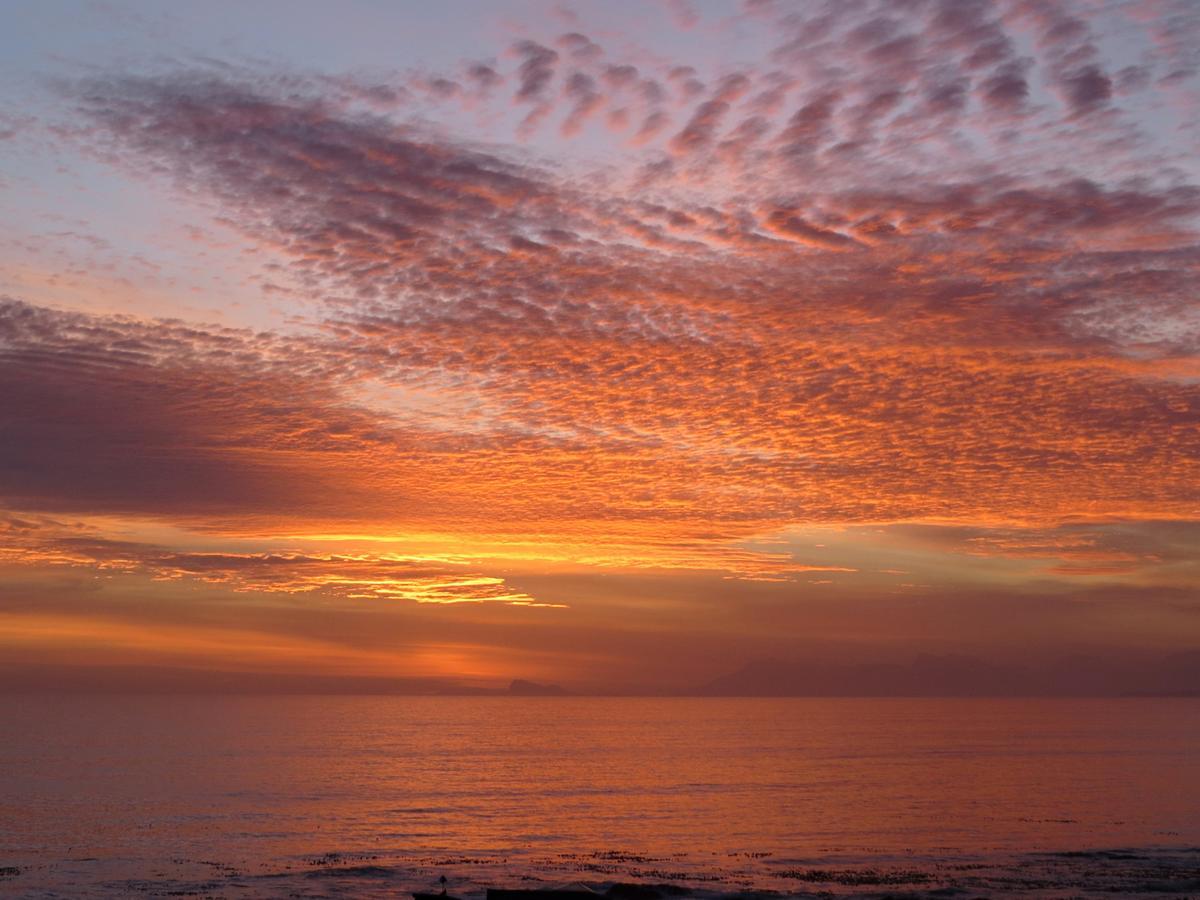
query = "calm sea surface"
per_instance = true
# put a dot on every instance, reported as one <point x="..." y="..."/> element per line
<point x="369" y="796"/>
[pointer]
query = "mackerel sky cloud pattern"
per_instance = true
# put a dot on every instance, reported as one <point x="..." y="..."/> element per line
<point x="889" y="303"/>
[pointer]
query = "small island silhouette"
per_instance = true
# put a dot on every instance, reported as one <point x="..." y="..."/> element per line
<point x="522" y="688"/>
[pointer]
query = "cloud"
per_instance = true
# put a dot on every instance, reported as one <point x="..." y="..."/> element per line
<point x="42" y="542"/>
<point x="693" y="350"/>
<point x="782" y="222"/>
<point x="120" y="415"/>
<point x="927" y="265"/>
<point x="582" y="89"/>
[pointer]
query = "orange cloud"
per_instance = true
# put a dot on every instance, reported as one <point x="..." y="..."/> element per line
<point x="886" y="276"/>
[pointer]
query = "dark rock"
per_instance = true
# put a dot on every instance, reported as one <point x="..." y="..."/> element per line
<point x="625" y="891"/>
<point x="540" y="894"/>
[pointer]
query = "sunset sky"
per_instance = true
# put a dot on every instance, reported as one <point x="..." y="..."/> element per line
<point x="616" y="344"/>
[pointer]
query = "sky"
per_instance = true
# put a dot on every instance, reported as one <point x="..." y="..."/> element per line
<point x="612" y="344"/>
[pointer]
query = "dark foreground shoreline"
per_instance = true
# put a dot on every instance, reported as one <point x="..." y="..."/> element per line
<point x="613" y="875"/>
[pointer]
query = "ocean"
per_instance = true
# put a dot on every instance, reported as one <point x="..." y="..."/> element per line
<point x="261" y="796"/>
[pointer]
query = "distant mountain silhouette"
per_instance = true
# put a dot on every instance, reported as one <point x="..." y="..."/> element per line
<point x="956" y="675"/>
<point x="522" y="688"/>
<point x="1177" y="674"/>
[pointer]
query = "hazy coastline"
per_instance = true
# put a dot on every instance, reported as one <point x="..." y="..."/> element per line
<point x="924" y="675"/>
